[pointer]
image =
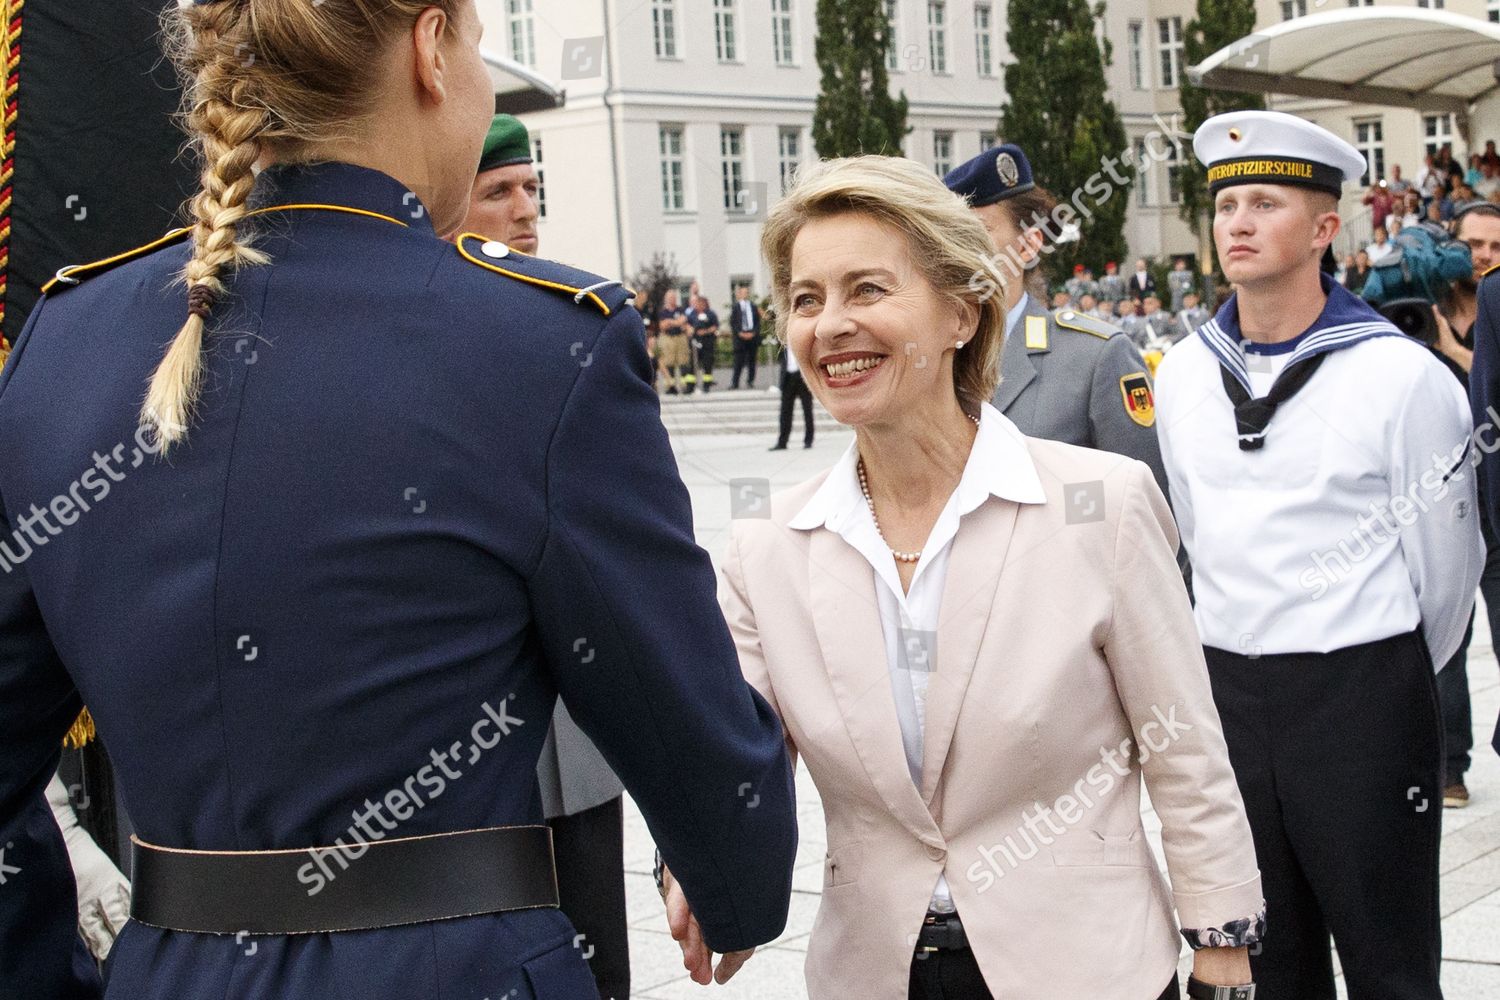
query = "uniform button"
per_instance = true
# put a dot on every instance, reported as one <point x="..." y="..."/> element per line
<point x="494" y="248"/>
<point x="936" y="853"/>
<point x="1066" y="315"/>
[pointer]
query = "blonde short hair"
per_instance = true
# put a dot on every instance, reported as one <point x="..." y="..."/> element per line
<point x="947" y="242"/>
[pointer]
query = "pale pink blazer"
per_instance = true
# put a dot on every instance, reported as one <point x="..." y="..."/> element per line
<point x="1058" y="641"/>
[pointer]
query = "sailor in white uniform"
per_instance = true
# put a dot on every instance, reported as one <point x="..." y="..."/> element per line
<point x="1321" y="472"/>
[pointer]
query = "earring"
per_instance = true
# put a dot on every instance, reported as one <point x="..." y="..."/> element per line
<point x="960" y="345"/>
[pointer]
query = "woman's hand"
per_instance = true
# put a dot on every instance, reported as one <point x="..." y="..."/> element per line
<point x="1222" y="966"/>
<point x="696" y="956"/>
<point x="1447" y="342"/>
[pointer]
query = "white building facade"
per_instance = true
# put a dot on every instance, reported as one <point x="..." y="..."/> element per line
<point x="685" y="119"/>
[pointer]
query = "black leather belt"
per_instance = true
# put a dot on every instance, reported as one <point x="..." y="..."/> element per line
<point x="941" y="932"/>
<point x="384" y="883"/>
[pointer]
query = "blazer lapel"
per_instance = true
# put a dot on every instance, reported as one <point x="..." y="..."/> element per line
<point x="1016" y="369"/>
<point x="974" y="566"/>
<point x="846" y="616"/>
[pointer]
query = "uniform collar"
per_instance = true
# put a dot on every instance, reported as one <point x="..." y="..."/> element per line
<point x="341" y="185"/>
<point x="1014" y="313"/>
<point x="1345" y="320"/>
<point x="999" y="465"/>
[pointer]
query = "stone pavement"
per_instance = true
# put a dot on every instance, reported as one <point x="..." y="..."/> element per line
<point x="1471" y="837"/>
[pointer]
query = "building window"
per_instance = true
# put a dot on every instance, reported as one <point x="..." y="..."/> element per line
<point x="724" y="30"/>
<point x="522" y="32"/>
<point x="1169" y="49"/>
<point x="1493" y="7"/>
<point x="987" y="140"/>
<point x="673" y="171"/>
<point x="1136" y="39"/>
<point x="541" y="175"/>
<point x="1142" y="177"/>
<point x="782" y="33"/>
<point x="1293" y="8"/>
<point x="1174" y="175"/>
<point x="664" y="27"/>
<point x="892" y="37"/>
<point x="732" y="154"/>
<point x="1369" y="139"/>
<point x="789" y="152"/>
<point x="984" y="53"/>
<point x="942" y="152"/>
<point x="937" y="35"/>
<point x="1430" y="4"/>
<point x="1437" y="131"/>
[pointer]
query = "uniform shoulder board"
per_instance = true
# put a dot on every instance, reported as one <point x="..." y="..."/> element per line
<point x="1072" y="319"/>
<point x="492" y="255"/>
<point x="1492" y="269"/>
<point x="74" y="274"/>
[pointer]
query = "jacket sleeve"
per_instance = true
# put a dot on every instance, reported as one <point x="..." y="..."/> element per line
<point x="1484" y="393"/>
<point x="1162" y="681"/>
<point x="734" y="599"/>
<point x="41" y="954"/>
<point x="1113" y="428"/>
<point x="624" y="603"/>
<point x="1432" y="466"/>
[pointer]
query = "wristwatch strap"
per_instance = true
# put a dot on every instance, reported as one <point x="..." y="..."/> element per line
<point x="1199" y="990"/>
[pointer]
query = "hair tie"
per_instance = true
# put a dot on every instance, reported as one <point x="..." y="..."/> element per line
<point x="201" y="301"/>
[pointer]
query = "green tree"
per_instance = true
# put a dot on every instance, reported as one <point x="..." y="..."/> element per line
<point x="1218" y="23"/>
<point x="855" y="112"/>
<point x="1057" y="110"/>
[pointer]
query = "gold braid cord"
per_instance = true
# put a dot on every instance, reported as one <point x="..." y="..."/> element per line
<point x="12" y="56"/>
<point x="81" y="732"/>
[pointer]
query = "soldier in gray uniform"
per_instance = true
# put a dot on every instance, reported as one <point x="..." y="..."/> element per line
<point x="1180" y="281"/>
<point x="1192" y="314"/>
<point x="1112" y="286"/>
<point x="1162" y="327"/>
<point x="1133" y="323"/>
<point x="1063" y="375"/>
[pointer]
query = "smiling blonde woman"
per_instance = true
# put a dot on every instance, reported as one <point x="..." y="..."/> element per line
<point x="979" y="643"/>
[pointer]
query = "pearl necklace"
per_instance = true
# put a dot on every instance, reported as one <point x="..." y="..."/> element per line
<point x="864" y="487"/>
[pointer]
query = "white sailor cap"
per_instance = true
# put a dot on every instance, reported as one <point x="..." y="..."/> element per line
<point x="1270" y="147"/>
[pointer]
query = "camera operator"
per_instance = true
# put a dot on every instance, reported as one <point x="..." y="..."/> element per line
<point x="1478" y="226"/>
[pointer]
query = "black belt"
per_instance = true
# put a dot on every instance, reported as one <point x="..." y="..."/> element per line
<point x="384" y="883"/>
<point x="941" y="932"/>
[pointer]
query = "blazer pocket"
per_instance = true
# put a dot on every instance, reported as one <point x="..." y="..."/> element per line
<point x="842" y="866"/>
<point x="1090" y="848"/>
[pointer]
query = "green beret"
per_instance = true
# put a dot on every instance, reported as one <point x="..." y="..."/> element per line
<point x="507" y="143"/>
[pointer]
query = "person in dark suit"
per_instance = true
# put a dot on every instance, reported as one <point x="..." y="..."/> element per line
<point x="744" y="324"/>
<point x="1142" y="285"/>
<point x="793" y="388"/>
<point x="385" y="498"/>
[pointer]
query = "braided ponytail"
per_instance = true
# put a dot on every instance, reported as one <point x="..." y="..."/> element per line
<point x="259" y="76"/>
<point x="228" y="128"/>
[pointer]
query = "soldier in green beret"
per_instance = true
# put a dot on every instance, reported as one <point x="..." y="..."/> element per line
<point x="504" y="203"/>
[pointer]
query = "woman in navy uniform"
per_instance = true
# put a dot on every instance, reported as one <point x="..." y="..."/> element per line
<point x="385" y="498"/>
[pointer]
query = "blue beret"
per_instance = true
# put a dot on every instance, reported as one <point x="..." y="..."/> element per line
<point x="994" y="175"/>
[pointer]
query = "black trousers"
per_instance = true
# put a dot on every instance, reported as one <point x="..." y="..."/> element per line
<point x="793" y="388"/>
<point x="590" y="851"/>
<point x="708" y="347"/>
<point x="1453" y="679"/>
<point x="1338" y="757"/>
<point x="744" y="357"/>
<point x="954" y="975"/>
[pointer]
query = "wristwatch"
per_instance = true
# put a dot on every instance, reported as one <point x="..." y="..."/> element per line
<point x="656" y="872"/>
<point x="1200" y="990"/>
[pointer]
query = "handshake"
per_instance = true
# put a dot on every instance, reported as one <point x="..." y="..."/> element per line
<point x="697" y="958"/>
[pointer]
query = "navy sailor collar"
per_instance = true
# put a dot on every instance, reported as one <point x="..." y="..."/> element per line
<point x="1345" y="320"/>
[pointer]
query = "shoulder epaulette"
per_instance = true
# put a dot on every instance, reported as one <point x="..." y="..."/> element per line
<point x="492" y="255"/>
<point x="73" y="274"/>
<point x="1492" y="269"/>
<point x="1072" y="319"/>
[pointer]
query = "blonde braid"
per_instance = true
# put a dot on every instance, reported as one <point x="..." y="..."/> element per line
<point x="229" y="126"/>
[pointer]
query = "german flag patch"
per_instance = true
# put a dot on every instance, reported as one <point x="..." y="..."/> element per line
<point x="1140" y="405"/>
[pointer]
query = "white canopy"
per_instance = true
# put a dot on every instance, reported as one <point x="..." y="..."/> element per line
<point x="1431" y="60"/>
<point x="519" y="89"/>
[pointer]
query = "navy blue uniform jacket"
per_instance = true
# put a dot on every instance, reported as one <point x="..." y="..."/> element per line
<point x="419" y="500"/>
